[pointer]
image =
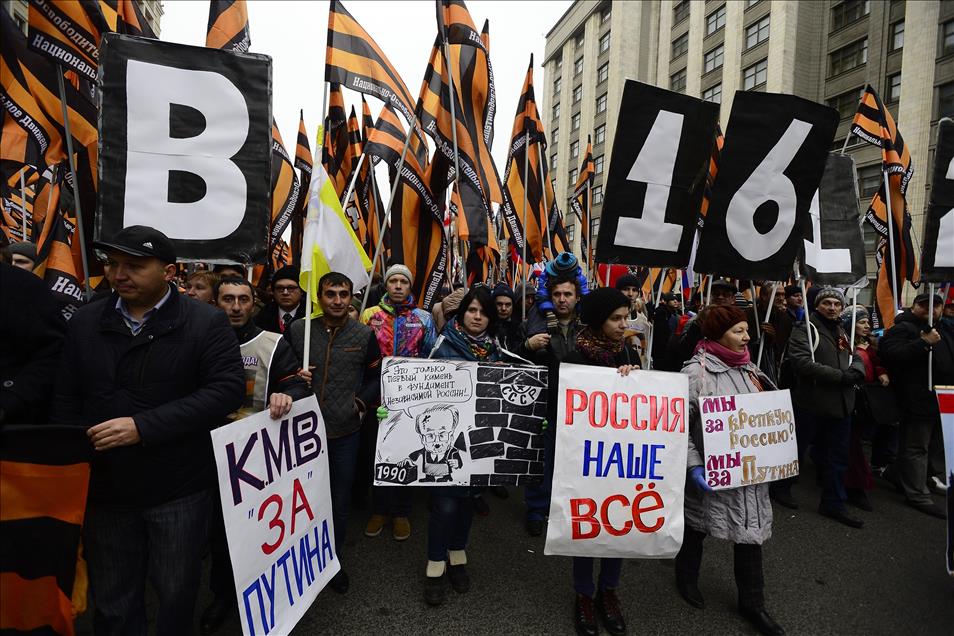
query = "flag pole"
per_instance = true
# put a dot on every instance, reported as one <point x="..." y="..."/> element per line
<point x="546" y="208"/>
<point x="895" y="290"/>
<point x="854" y="322"/>
<point x="589" y="233"/>
<point x="709" y="289"/>
<point x="930" y="369"/>
<point x="768" y="315"/>
<point x="374" y="193"/>
<point x="354" y="179"/>
<point x="23" y="202"/>
<point x="387" y="212"/>
<point x="76" y="196"/>
<point x="755" y="311"/>
<point x="652" y="327"/>
<point x="526" y="175"/>
<point x="808" y="321"/>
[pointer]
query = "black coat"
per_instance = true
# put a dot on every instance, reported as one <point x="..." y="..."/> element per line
<point x="267" y="318"/>
<point x="905" y="355"/>
<point x="33" y="328"/>
<point x="824" y="386"/>
<point x="550" y="356"/>
<point x="178" y="378"/>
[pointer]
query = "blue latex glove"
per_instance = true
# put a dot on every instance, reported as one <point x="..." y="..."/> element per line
<point x="697" y="475"/>
<point x="382" y="413"/>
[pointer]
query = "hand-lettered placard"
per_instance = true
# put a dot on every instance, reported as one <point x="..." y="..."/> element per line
<point x="620" y="466"/>
<point x="748" y="438"/>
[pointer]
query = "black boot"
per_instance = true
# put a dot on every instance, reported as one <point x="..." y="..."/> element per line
<point x="687" y="567"/>
<point x="610" y="612"/>
<point x="751" y="586"/>
<point x="584" y="616"/>
<point x="216" y="613"/>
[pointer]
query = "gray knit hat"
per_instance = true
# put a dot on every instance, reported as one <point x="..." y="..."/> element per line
<point x="401" y="269"/>
<point x="859" y="312"/>
<point x="829" y="292"/>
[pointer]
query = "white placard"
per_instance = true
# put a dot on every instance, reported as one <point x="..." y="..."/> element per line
<point x="748" y="438"/>
<point x="276" y="502"/>
<point x="620" y="465"/>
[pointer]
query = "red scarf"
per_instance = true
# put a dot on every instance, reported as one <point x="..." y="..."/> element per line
<point x="730" y="357"/>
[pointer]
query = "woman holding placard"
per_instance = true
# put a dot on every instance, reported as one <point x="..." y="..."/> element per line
<point x="603" y="344"/>
<point x="721" y="366"/>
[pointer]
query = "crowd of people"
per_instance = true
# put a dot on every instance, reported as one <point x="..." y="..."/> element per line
<point x="151" y="366"/>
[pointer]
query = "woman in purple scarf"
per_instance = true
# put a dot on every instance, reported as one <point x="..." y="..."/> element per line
<point x="743" y="515"/>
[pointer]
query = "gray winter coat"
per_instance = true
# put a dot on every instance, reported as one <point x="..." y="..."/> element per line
<point x="740" y="515"/>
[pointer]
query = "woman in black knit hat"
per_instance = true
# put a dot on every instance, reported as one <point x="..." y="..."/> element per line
<point x="601" y="343"/>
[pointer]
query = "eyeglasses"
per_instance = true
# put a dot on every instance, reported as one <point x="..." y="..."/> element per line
<point x="281" y="289"/>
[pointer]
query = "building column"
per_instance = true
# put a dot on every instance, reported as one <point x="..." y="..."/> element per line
<point x="732" y="57"/>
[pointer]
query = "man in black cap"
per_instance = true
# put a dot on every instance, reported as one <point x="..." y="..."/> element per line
<point x="682" y="344"/>
<point x="287" y="301"/>
<point x="148" y="373"/>
<point x="23" y="255"/>
<point x="508" y="326"/>
<point x="905" y="350"/>
<point x="795" y="302"/>
<point x="665" y="320"/>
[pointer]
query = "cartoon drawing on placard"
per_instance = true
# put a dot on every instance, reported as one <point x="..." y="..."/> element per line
<point x="442" y="445"/>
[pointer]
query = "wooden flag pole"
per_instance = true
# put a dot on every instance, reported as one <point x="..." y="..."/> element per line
<point x="526" y="174"/>
<point x="895" y="290"/>
<point x="808" y="320"/>
<point x="76" y="195"/>
<point x="768" y="315"/>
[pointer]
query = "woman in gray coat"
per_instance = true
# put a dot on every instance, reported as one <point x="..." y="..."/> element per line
<point x="721" y="366"/>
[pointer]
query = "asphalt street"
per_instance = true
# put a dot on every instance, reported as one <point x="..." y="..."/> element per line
<point x="821" y="578"/>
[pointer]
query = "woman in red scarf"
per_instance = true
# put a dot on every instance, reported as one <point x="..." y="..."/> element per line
<point x="721" y="366"/>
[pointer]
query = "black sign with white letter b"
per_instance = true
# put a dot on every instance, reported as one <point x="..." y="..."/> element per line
<point x="185" y="146"/>
<point x="657" y="175"/>
<point x="937" y="260"/>
<point x="771" y="164"/>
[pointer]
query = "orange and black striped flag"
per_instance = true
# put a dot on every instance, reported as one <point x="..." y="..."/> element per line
<point x="68" y="33"/>
<point x="336" y="143"/>
<point x="228" y="26"/>
<point x="581" y="202"/>
<point x="368" y="198"/>
<point x="717" y="144"/>
<point x="130" y="18"/>
<point x="285" y="189"/>
<point x="556" y="239"/>
<point x="350" y="162"/>
<point x="56" y="261"/>
<point x="30" y="94"/>
<point x="304" y="162"/>
<point x="874" y="124"/>
<point x="354" y="60"/>
<point x="527" y="143"/>
<point x="42" y="504"/>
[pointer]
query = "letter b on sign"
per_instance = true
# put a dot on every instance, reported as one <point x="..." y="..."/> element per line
<point x="186" y="146"/>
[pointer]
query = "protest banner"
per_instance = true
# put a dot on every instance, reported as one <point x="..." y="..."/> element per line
<point x="276" y="503"/>
<point x="937" y="259"/>
<point x="453" y="422"/>
<point x="748" y="438"/>
<point x="620" y="465"/>
<point x="186" y="147"/>
<point x="945" y="398"/>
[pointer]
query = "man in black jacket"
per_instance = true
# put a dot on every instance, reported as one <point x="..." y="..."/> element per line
<point x="508" y="325"/>
<point x="271" y="382"/>
<point x="824" y="398"/>
<point x="149" y="373"/>
<point x="287" y="303"/>
<point x="904" y="349"/>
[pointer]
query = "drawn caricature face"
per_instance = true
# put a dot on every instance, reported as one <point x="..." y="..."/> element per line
<point x="436" y="430"/>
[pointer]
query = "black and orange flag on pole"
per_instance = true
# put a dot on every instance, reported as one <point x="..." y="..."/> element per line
<point x="525" y="152"/>
<point x="366" y="189"/>
<point x="68" y="33"/>
<point x="581" y="202"/>
<point x="58" y="251"/>
<point x="335" y="144"/>
<point x="354" y="60"/>
<point x="875" y="125"/>
<point x="228" y="26"/>
<point x="285" y="189"/>
<point x="305" y="163"/>
<point x="42" y="506"/>
<point x="351" y="158"/>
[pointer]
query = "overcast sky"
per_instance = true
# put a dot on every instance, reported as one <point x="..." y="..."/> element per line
<point x="294" y="35"/>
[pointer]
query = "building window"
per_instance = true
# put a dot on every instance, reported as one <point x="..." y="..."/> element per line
<point x="557" y="85"/>
<point x="757" y="33"/>
<point x="869" y="180"/>
<point x="848" y="57"/>
<point x="594" y="230"/>
<point x="894" y="87"/>
<point x="555" y="136"/>
<point x="605" y="16"/>
<point x="677" y="81"/>
<point x="575" y="149"/>
<point x="572" y="177"/>
<point x="605" y="42"/>
<point x="553" y="161"/>
<point x="577" y="94"/>
<point x="713" y="94"/>
<point x="751" y="3"/>
<point x="945" y="100"/>
<point x="578" y="66"/>
<point x="599" y="135"/>
<point x="601" y="104"/>
<point x="680" y="45"/>
<point x="847" y="12"/>
<point x="597" y="192"/>
<point x="897" y="36"/>
<point x="947" y="37"/>
<point x="755" y="75"/>
<point x="559" y="64"/>
<point x="575" y="122"/>
<point x="598" y="165"/>
<point x="847" y="103"/>
<point x="579" y="40"/>
<point x="680" y="11"/>
<point x="556" y="111"/>
<point x="713" y="59"/>
<point x="602" y="74"/>
<point x="715" y="20"/>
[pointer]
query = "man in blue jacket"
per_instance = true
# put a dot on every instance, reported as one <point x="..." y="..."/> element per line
<point x="149" y="373"/>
